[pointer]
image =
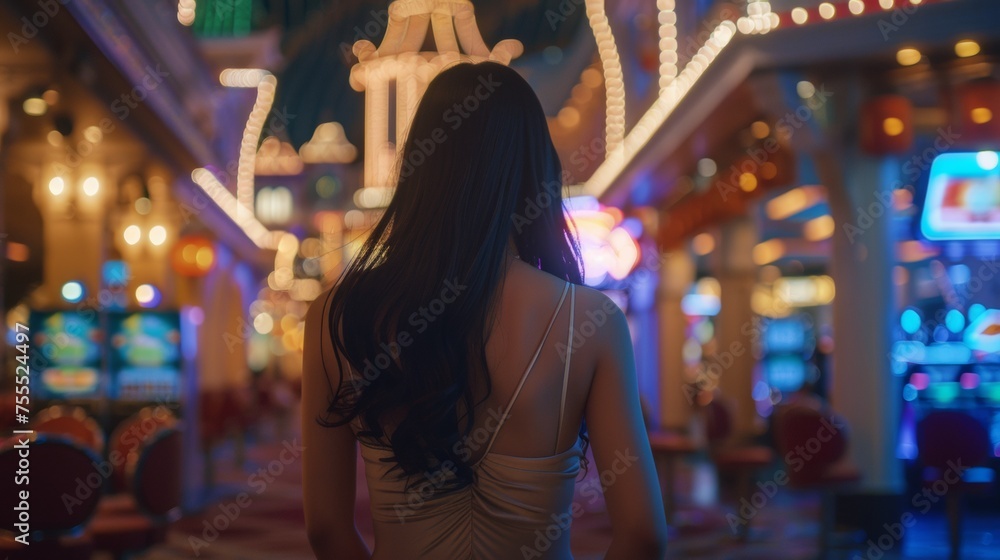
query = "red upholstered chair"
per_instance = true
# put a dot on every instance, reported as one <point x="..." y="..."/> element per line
<point x="949" y="439"/>
<point x="814" y="448"/>
<point x="72" y="422"/>
<point x="156" y="492"/>
<point x="62" y="472"/>
<point x="156" y="480"/>
<point x="742" y="461"/>
<point x="130" y="434"/>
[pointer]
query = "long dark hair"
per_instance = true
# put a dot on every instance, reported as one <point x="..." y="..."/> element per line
<point x="413" y="310"/>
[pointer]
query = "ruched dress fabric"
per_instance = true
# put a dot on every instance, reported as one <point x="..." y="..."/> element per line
<point x="517" y="508"/>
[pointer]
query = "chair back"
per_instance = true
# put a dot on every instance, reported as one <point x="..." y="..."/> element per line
<point x="65" y="483"/>
<point x="718" y="422"/>
<point x="129" y="436"/>
<point x="72" y="422"/>
<point x="155" y="475"/>
<point x="945" y="436"/>
<point x="809" y="441"/>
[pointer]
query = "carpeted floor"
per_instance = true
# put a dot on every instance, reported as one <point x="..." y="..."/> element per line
<point x="270" y="524"/>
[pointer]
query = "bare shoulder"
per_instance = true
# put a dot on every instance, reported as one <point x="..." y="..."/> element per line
<point x="599" y="308"/>
<point x="318" y="349"/>
<point x="316" y="315"/>
<point x="590" y="298"/>
<point x="599" y="318"/>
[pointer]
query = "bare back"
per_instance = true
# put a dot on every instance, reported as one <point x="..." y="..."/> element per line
<point x="557" y="354"/>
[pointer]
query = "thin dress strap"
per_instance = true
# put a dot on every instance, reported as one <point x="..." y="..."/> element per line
<point x="569" y="353"/>
<point x="524" y="376"/>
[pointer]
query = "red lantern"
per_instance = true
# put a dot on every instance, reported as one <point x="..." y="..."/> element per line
<point x="193" y="256"/>
<point x="979" y="111"/>
<point x="887" y="125"/>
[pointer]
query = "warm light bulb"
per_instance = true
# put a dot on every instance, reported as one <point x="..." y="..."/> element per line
<point x="157" y="235"/>
<point x="703" y="244"/>
<point x="35" y="106"/>
<point x="91" y="185"/>
<point x="132" y="234"/>
<point x="93" y="134"/>
<point x="760" y="130"/>
<point x="966" y="49"/>
<point x="981" y="115"/>
<point x="908" y="57"/>
<point x="893" y="126"/>
<point x="57" y="185"/>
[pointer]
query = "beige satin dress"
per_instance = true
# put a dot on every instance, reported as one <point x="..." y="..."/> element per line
<point x="517" y="508"/>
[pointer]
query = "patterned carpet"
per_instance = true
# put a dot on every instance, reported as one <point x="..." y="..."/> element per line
<point x="270" y="525"/>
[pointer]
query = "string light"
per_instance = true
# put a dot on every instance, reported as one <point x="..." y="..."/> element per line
<point x="661" y="109"/>
<point x="266" y="84"/>
<point x="759" y="19"/>
<point x="186" y="12"/>
<point x="615" y="86"/>
<point x="668" y="43"/>
<point x="260" y="235"/>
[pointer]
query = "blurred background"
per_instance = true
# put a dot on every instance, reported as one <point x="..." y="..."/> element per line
<point x="796" y="203"/>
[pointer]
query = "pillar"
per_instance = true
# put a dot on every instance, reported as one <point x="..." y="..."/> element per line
<point x="864" y="390"/>
<point x="737" y="275"/>
<point x="676" y="277"/>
